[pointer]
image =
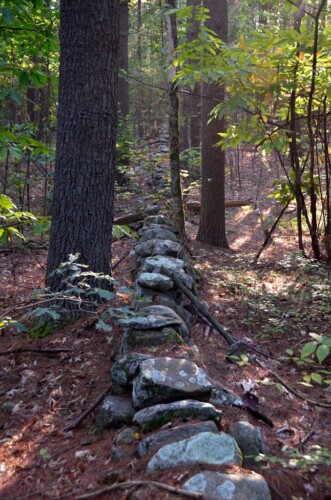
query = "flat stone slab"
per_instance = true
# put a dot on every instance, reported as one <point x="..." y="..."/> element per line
<point x="238" y="486"/>
<point x="159" y="247"/>
<point x="115" y="411"/>
<point x="249" y="439"/>
<point x="164" y="265"/>
<point x="154" y="417"/>
<point x="148" y="338"/>
<point x="162" y="380"/>
<point x="155" y="281"/>
<point x="125" y="369"/>
<point x="159" y="233"/>
<point x="203" y="448"/>
<point x="167" y="436"/>
<point x="152" y="317"/>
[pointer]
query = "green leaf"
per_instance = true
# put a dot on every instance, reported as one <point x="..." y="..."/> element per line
<point x="23" y="78"/>
<point x="5" y="202"/>
<point x="20" y="327"/>
<point x="44" y="453"/>
<point x="42" y="225"/>
<point x="41" y="311"/>
<point x="322" y="352"/>
<point x="103" y="294"/>
<point x="101" y="325"/>
<point x="316" y="377"/>
<point x="38" y="78"/>
<point x="308" y="349"/>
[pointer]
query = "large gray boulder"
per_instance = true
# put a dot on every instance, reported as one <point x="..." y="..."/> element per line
<point x="250" y="440"/>
<point x="155" y="281"/>
<point x="115" y="411"/>
<point x="163" y="380"/>
<point x="153" y="317"/>
<point x="167" y="436"/>
<point x="203" y="448"/>
<point x="159" y="247"/>
<point x="238" y="486"/>
<point x="165" y="265"/>
<point x="154" y="417"/>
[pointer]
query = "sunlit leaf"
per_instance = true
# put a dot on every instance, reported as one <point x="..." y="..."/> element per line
<point x="322" y="352"/>
<point x="308" y="349"/>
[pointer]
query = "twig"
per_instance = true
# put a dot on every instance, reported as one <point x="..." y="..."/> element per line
<point x="89" y="410"/>
<point x="121" y="259"/>
<point x="298" y="394"/>
<point x="36" y="350"/>
<point x="269" y="233"/>
<point x="306" y="438"/>
<point x="131" y="484"/>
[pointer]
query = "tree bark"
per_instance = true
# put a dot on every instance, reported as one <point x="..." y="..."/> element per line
<point x="193" y="102"/>
<point x="123" y="84"/>
<point x="176" y="188"/>
<point x="82" y="209"/>
<point x="212" y="220"/>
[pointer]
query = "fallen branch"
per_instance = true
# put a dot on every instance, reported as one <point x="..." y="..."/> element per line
<point x="190" y="205"/>
<point x="290" y="389"/>
<point x="196" y="205"/>
<point x="204" y="311"/>
<point x="132" y="484"/>
<point x="130" y="218"/>
<point x="89" y="410"/>
<point x="36" y="350"/>
<point x="231" y="341"/>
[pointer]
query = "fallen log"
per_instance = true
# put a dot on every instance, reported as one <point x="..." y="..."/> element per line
<point x="129" y="218"/>
<point x="196" y="205"/>
<point x="190" y="205"/>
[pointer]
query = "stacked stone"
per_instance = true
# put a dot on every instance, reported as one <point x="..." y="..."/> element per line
<point x="151" y="392"/>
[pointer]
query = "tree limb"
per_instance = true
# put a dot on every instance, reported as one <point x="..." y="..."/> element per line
<point x="204" y="311"/>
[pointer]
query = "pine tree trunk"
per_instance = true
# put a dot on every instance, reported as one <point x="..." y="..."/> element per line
<point x="212" y="220"/>
<point x="123" y="84"/>
<point x="193" y="105"/>
<point x="176" y="189"/>
<point x="82" y="209"/>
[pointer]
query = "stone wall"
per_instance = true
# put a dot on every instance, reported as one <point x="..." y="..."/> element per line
<point x="150" y="391"/>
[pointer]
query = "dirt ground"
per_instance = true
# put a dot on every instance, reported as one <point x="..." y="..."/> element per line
<point x="41" y="394"/>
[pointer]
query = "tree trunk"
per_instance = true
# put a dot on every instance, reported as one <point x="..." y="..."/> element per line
<point x="212" y="220"/>
<point x="193" y="102"/>
<point x="176" y="189"/>
<point x="82" y="209"/>
<point x="123" y="60"/>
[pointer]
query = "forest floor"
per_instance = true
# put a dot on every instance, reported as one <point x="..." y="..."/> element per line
<point x="274" y="304"/>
